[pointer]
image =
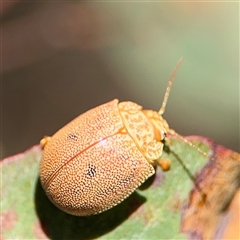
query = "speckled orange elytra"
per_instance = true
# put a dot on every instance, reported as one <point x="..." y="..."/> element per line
<point x="98" y="159"/>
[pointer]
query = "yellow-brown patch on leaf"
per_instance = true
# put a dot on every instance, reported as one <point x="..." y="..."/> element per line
<point x="219" y="181"/>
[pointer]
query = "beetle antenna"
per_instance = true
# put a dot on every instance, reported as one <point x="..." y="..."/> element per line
<point x="167" y="92"/>
<point x="189" y="143"/>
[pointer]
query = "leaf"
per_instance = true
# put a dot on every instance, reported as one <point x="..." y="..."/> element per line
<point x="188" y="201"/>
<point x="219" y="180"/>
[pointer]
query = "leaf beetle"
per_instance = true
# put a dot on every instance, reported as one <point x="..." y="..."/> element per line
<point x="97" y="160"/>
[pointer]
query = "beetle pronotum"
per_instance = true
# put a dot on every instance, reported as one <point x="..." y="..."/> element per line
<point x="98" y="159"/>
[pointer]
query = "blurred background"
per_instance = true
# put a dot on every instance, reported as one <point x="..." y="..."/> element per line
<point x="61" y="59"/>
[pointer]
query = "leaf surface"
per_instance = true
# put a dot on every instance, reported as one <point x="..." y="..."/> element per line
<point x="190" y="201"/>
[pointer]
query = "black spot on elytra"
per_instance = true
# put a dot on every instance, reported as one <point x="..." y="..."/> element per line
<point x="91" y="171"/>
<point x="72" y="136"/>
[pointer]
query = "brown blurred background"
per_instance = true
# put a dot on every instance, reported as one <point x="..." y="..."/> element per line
<point x="61" y="59"/>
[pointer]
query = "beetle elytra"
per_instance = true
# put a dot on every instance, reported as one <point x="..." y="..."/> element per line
<point x="98" y="159"/>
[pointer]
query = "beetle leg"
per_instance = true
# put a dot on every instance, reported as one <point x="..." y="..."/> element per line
<point x="45" y="141"/>
<point x="165" y="164"/>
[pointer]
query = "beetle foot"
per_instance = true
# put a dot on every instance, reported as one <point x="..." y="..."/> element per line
<point x="165" y="164"/>
<point x="45" y="141"/>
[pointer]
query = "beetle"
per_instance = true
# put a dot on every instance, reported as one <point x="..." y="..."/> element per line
<point x="98" y="159"/>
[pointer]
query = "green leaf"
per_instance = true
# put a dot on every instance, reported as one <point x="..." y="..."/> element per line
<point x="155" y="211"/>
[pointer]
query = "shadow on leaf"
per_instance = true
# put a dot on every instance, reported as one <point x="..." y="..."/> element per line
<point x="58" y="225"/>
